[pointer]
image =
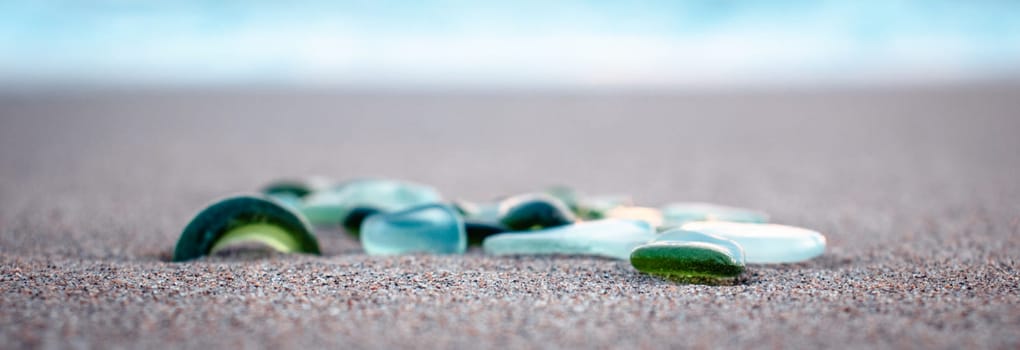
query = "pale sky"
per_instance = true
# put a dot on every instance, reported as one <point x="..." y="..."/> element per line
<point x="515" y="44"/>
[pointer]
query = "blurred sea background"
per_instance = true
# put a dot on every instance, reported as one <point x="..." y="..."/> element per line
<point x="526" y="44"/>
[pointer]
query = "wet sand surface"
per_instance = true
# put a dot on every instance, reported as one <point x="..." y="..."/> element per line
<point x="917" y="190"/>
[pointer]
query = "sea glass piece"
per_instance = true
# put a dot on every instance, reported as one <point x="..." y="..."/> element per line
<point x="431" y="228"/>
<point x="613" y="238"/>
<point x="686" y="259"/>
<point x="534" y="211"/>
<point x="332" y="207"/>
<point x="248" y="218"/>
<point x="679" y="235"/>
<point x="766" y="243"/>
<point x="680" y="213"/>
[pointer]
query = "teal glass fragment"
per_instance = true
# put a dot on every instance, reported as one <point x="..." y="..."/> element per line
<point x="431" y="228"/>
<point x="613" y="238"/>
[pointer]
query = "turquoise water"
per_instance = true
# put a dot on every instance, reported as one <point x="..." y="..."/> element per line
<point x="518" y="43"/>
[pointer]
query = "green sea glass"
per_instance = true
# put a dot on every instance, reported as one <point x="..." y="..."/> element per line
<point x="534" y="211"/>
<point x="686" y="254"/>
<point x="251" y="218"/>
<point x="684" y="259"/>
<point x="680" y="235"/>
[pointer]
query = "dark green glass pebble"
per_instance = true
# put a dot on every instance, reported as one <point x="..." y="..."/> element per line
<point x="693" y="259"/>
<point x="534" y="211"/>
<point x="352" y="223"/>
<point x="257" y="218"/>
<point x="478" y="231"/>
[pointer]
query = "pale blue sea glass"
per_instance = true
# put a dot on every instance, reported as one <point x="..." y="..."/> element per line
<point x="613" y="238"/>
<point x="331" y="207"/>
<point x="682" y="236"/>
<point x="766" y="243"/>
<point x="431" y="228"/>
<point x="680" y="213"/>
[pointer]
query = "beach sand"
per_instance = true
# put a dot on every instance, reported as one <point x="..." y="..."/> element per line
<point x="917" y="190"/>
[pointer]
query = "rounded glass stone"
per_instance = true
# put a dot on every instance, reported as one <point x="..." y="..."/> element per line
<point x="766" y="243"/>
<point x="332" y="207"/>
<point x="251" y="218"/>
<point x="686" y="259"/>
<point x="613" y="238"/>
<point x="680" y="213"/>
<point x="431" y="228"/>
<point x="534" y="211"/>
